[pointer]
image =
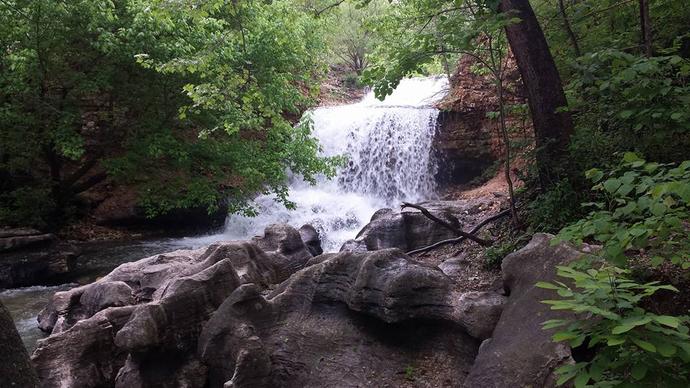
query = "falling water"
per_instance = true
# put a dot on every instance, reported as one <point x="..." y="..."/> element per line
<point x="388" y="146"/>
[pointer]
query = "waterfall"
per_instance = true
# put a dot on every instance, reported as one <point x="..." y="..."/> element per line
<point x="388" y="145"/>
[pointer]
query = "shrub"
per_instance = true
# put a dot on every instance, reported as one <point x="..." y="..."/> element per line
<point x="634" y="345"/>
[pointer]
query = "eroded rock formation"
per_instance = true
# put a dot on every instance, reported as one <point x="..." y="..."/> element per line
<point x="188" y="318"/>
<point x="268" y="313"/>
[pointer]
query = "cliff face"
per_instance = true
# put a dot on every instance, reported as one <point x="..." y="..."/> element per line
<point x="468" y="140"/>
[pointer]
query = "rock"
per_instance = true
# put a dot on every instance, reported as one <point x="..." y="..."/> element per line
<point x="262" y="313"/>
<point x="406" y="230"/>
<point x="479" y="312"/>
<point x="139" y="325"/>
<point x="520" y="353"/>
<point x="352" y="319"/>
<point x="453" y="267"/>
<point x="29" y="257"/>
<point x="311" y="239"/>
<point x="15" y="367"/>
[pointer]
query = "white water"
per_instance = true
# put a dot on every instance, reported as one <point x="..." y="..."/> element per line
<point x="388" y="145"/>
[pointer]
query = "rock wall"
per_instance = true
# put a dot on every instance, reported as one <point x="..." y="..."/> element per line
<point x="467" y="141"/>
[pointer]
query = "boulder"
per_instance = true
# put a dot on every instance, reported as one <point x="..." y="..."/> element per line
<point x="479" y="312"/>
<point x="15" y="367"/>
<point x="520" y="353"/>
<point x="138" y="325"/>
<point x="406" y="230"/>
<point x="29" y="257"/>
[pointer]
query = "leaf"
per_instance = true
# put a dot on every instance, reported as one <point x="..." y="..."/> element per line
<point x="546" y="285"/>
<point x="564" y="335"/>
<point x="644" y="345"/>
<point x="611" y="185"/>
<point x="667" y="320"/>
<point x="622" y="329"/>
<point x="613" y="341"/>
<point x="639" y="371"/>
<point x="666" y="349"/>
<point x="581" y="379"/>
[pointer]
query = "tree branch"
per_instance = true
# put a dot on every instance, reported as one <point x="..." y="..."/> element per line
<point x="461" y="238"/>
<point x="447" y="225"/>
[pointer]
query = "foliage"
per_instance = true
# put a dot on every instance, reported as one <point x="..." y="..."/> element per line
<point x="494" y="255"/>
<point x="645" y="207"/>
<point x="638" y="103"/>
<point x="416" y="34"/>
<point x="559" y="206"/>
<point x="634" y="347"/>
<point x="188" y="102"/>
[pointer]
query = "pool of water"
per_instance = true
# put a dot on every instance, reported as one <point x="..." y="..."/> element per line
<point x="96" y="260"/>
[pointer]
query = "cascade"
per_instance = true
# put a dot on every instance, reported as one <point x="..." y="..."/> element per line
<point x="388" y="145"/>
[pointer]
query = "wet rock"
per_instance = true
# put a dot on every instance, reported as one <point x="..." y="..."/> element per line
<point x="520" y="353"/>
<point x="310" y="237"/>
<point x="29" y="257"/>
<point x="479" y="312"/>
<point x="164" y="301"/>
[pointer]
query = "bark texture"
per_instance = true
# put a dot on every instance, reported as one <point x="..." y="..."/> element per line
<point x="552" y="128"/>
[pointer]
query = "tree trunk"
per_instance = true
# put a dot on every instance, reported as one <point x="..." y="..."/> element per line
<point x="15" y="367"/>
<point x="646" y="28"/>
<point x="552" y="128"/>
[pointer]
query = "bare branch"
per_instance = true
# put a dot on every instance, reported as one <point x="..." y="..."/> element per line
<point x="447" y="225"/>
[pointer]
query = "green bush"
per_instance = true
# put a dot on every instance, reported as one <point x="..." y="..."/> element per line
<point x="646" y="208"/>
<point x="552" y="210"/>
<point x="635" y="347"/>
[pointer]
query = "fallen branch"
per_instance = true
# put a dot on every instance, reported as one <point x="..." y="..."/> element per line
<point x="448" y="225"/>
<point x="461" y="238"/>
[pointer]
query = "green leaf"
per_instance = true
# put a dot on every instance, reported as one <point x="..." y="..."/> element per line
<point x="639" y="371"/>
<point x="546" y="285"/>
<point x="666" y="349"/>
<point x="667" y="320"/>
<point x="644" y="345"/>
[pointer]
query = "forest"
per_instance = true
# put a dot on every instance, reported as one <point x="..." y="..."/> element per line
<point x="568" y="119"/>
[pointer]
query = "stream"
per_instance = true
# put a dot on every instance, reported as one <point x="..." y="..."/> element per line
<point x="390" y="160"/>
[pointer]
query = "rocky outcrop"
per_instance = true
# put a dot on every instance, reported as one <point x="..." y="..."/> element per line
<point x="29" y="257"/>
<point x="410" y="229"/>
<point x="338" y="323"/>
<point x="268" y="313"/>
<point x="212" y="317"/>
<point x="520" y="353"/>
<point x="467" y="141"/>
<point x="148" y="314"/>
